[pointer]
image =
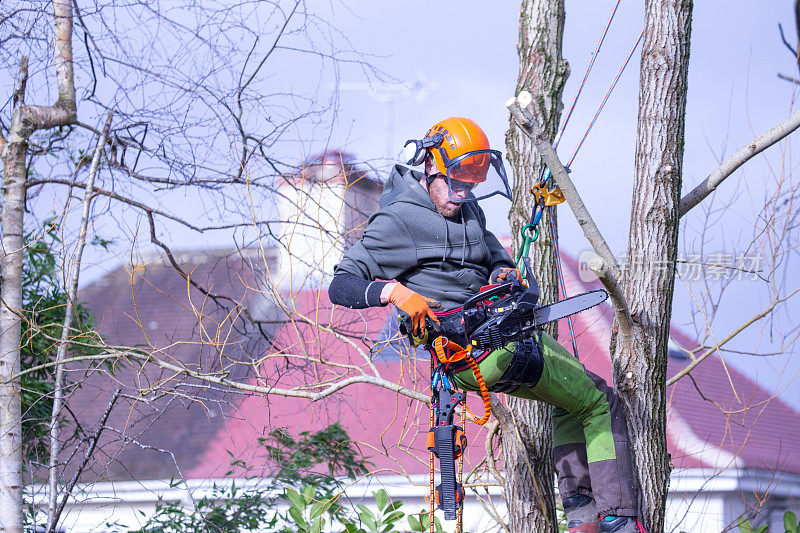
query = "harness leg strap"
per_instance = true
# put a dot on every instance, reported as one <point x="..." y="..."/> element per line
<point x="525" y="368"/>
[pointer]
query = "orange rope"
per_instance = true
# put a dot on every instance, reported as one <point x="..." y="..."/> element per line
<point x="458" y="354"/>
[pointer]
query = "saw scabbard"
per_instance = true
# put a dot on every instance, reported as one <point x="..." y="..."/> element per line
<point x="447" y="442"/>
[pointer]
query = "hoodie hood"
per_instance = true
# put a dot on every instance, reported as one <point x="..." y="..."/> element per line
<point x="403" y="186"/>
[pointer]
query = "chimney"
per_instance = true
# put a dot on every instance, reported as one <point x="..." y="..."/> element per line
<point x="323" y="210"/>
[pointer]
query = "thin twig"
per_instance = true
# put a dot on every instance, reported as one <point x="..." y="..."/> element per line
<point x="93" y="440"/>
<point x="729" y="337"/>
<point x="785" y="42"/>
<point x="72" y="293"/>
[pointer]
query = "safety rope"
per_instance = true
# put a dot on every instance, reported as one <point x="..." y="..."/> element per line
<point x="432" y="476"/>
<point x="585" y="76"/>
<point x="552" y="224"/>
<point x="605" y="99"/>
<point x="448" y="352"/>
<point x="554" y="236"/>
<point x="546" y="178"/>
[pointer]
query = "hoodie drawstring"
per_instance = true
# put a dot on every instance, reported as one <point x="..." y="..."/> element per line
<point x="464" y="242"/>
<point x="446" y="238"/>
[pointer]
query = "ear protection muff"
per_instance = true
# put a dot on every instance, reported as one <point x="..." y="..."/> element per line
<point x="414" y="151"/>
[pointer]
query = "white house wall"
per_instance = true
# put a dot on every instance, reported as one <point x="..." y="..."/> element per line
<point x="700" y="500"/>
<point x="311" y="235"/>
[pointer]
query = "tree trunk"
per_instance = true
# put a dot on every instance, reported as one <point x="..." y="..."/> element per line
<point x="14" y="156"/>
<point x="24" y="122"/>
<point x="640" y="361"/>
<point x="543" y="72"/>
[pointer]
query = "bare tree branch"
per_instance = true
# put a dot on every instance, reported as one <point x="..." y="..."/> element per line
<point x="785" y="42"/>
<point x="708" y="185"/>
<point x="87" y="455"/>
<point x="718" y="345"/>
<point x="72" y="293"/>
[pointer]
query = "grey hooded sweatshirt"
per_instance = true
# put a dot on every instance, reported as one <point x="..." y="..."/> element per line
<point x="447" y="259"/>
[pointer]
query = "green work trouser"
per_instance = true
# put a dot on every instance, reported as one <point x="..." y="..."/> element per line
<point x="590" y="438"/>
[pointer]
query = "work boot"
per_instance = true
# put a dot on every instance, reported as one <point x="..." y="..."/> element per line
<point x="618" y="524"/>
<point x="581" y="514"/>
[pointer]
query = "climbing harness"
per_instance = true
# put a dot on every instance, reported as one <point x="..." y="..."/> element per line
<point x="497" y="315"/>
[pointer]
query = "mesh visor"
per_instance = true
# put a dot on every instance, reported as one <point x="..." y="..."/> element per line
<point x="477" y="175"/>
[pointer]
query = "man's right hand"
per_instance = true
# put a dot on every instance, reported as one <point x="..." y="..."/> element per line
<point x="501" y="274"/>
<point x="416" y="306"/>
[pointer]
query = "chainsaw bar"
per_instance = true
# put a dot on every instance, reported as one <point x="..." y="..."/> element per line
<point x="569" y="306"/>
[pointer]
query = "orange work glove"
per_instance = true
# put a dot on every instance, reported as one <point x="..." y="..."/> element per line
<point x="504" y="274"/>
<point x="417" y="307"/>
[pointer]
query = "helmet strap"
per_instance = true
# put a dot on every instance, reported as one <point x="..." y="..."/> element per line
<point x="429" y="178"/>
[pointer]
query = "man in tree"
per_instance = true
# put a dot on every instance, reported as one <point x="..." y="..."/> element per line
<point x="430" y="235"/>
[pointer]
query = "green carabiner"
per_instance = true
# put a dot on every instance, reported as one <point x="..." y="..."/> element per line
<point x="526" y="243"/>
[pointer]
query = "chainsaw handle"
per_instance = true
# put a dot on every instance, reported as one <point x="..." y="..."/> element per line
<point x="531" y="294"/>
<point x="497" y="290"/>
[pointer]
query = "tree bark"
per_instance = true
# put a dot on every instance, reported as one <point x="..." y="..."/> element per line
<point x="14" y="156"/>
<point x="640" y="359"/>
<point x="25" y="121"/>
<point x="527" y="438"/>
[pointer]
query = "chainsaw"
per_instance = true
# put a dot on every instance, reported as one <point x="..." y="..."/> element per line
<point x="502" y="313"/>
<point x="510" y="311"/>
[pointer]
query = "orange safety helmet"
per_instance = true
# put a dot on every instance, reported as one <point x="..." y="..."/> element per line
<point x="461" y="135"/>
<point x="461" y="152"/>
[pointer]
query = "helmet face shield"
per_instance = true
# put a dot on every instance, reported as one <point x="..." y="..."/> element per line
<point x="476" y="175"/>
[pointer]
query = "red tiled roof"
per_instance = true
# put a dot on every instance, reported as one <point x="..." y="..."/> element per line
<point x="707" y="426"/>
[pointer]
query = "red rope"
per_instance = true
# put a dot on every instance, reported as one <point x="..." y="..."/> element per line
<point x="586" y="75"/>
<point x="605" y="98"/>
